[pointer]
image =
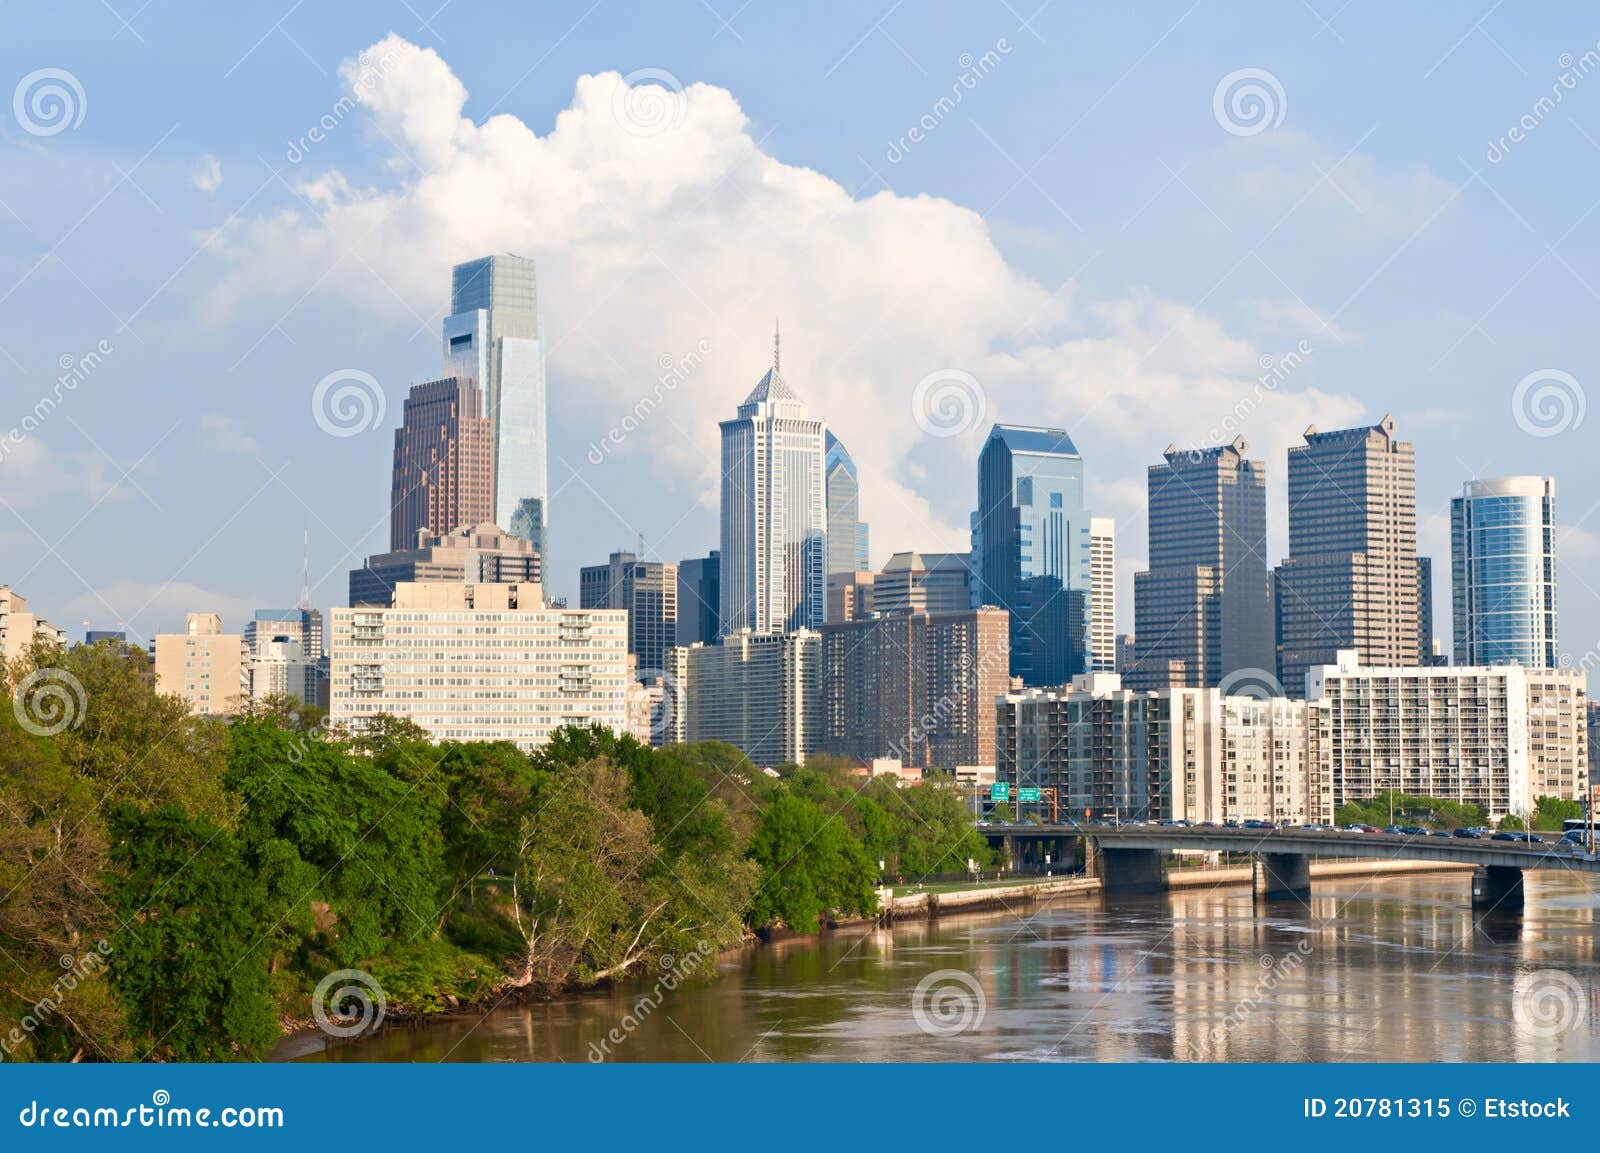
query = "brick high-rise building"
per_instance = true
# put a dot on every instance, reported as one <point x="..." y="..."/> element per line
<point x="443" y="475"/>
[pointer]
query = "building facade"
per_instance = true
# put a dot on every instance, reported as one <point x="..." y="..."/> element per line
<point x="19" y="628"/>
<point x="760" y="692"/>
<point x="1503" y="572"/>
<point x="1350" y="580"/>
<point x="284" y="646"/>
<point x="443" y="474"/>
<point x="1031" y="535"/>
<point x="1102" y="594"/>
<point x="648" y="590"/>
<point x="480" y="662"/>
<point x="850" y="596"/>
<point x="482" y="554"/>
<point x="699" y="599"/>
<point x="208" y="668"/>
<point x="774" y="518"/>
<point x="1496" y="737"/>
<point x="922" y="582"/>
<point x="1203" y="610"/>
<point x="494" y="336"/>
<point x="916" y="687"/>
<point x="847" y="533"/>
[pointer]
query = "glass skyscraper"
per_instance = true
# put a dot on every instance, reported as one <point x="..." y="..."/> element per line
<point x="494" y="335"/>
<point x="1031" y="536"/>
<point x="1503" y="572"/>
<point x="847" y="535"/>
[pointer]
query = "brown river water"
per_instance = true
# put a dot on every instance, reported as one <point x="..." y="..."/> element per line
<point x="1376" y="969"/>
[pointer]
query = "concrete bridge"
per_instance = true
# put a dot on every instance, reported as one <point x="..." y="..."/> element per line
<point x="1128" y="858"/>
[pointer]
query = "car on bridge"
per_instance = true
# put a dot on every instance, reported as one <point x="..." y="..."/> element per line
<point x="1414" y="830"/>
<point x="1472" y="834"/>
<point x="1518" y="835"/>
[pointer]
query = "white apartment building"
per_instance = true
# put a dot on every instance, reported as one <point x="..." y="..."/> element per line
<point x="1497" y="736"/>
<point x="19" y="628"/>
<point x="1102" y="594"/>
<point x="760" y="692"/>
<point x="208" y="668"/>
<point x="480" y="662"/>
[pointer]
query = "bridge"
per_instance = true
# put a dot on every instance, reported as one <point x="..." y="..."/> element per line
<point x="1128" y="858"/>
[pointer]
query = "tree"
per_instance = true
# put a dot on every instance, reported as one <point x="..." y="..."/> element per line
<point x="189" y="960"/>
<point x="811" y="865"/>
<point x="1550" y="813"/>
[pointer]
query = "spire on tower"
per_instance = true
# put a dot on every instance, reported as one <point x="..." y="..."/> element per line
<point x="774" y="345"/>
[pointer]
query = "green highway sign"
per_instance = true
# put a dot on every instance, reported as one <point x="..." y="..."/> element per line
<point x="999" y="792"/>
<point x="1028" y="795"/>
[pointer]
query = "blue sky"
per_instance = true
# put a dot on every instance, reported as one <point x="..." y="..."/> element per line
<point x="1082" y="240"/>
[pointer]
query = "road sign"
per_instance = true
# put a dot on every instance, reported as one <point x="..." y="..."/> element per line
<point x="1026" y="795"/>
<point x="999" y="792"/>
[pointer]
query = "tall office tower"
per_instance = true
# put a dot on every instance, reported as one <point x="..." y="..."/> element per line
<point x="916" y="686"/>
<point x="923" y="582"/>
<point x="774" y="517"/>
<point x="1102" y="594"/>
<point x="1203" y="610"/>
<point x="205" y="666"/>
<point x="479" y="555"/>
<point x="1127" y="644"/>
<point x="649" y="591"/>
<point x="699" y="599"/>
<point x="1350" y="579"/>
<point x="266" y="638"/>
<point x="19" y="628"/>
<point x="1425" y="637"/>
<point x="850" y="596"/>
<point x="759" y="692"/>
<point x="484" y="662"/>
<point x="847" y="535"/>
<point x="1032" y="537"/>
<point x="443" y="476"/>
<point x="1503" y="572"/>
<point x="494" y="335"/>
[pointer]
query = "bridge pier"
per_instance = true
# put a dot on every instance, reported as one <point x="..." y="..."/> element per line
<point x="1282" y="876"/>
<point x="1496" y="887"/>
<point x="1130" y="870"/>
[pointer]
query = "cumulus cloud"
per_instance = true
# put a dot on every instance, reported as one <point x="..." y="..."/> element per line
<point x="662" y="226"/>
<point x="207" y="173"/>
<point x="144" y="608"/>
<point x="226" y="434"/>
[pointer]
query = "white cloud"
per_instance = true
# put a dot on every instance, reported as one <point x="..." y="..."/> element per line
<point x="225" y="434"/>
<point x="144" y="608"/>
<point x="207" y="173"/>
<point x="650" y="244"/>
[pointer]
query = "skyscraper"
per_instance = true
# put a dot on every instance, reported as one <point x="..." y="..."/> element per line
<point x="922" y="582"/>
<point x="1350" y="579"/>
<point x="1503" y="572"/>
<point x="1425" y="633"/>
<point x="1031" y="535"/>
<point x="286" y="642"/>
<point x="649" y="591"/>
<point x="774" y="517"/>
<point x="1102" y="594"/>
<point x="443" y="476"/>
<point x="1203" y="609"/>
<point x="482" y="554"/>
<point x="494" y="336"/>
<point x="699" y="599"/>
<point x="847" y="535"/>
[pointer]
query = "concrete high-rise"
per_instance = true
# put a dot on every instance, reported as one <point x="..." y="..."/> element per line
<point x="699" y="599"/>
<point x="850" y="596"/>
<point x="760" y="692"/>
<point x="443" y="476"/>
<point x="284" y="646"/>
<point x="1350" y="580"/>
<point x="847" y="534"/>
<point x="1503" y="572"/>
<point x="921" y="582"/>
<point x="494" y="336"/>
<point x="481" y="554"/>
<point x="649" y="591"/>
<point x="1102" y="594"/>
<point x="1203" y="610"/>
<point x="774" y="516"/>
<point x="19" y="628"/>
<point x="205" y="666"/>
<point x="1031" y="536"/>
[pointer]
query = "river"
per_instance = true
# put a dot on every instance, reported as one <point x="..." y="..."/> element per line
<point x="1379" y="969"/>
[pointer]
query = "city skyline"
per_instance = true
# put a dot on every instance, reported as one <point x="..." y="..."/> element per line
<point x="900" y="460"/>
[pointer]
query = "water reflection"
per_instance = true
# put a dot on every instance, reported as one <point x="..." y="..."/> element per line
<point x="1397" y="969"/>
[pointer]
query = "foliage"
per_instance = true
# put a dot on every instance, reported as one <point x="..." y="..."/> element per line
<point x="1429" y="812"/>
<point x="1549" y="813"/>
<point x="810" y="864"/>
